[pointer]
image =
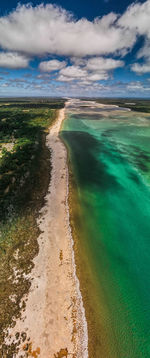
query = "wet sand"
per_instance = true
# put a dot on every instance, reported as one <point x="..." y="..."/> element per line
<point x="53" y="322"/>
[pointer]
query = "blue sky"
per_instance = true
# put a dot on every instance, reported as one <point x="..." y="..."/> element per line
<point x="75" y="48"/>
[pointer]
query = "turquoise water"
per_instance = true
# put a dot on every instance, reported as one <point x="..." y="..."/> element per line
<point x="109" y="151"/>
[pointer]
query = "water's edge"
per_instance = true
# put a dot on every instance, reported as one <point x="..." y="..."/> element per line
<point x="81" y="315"/>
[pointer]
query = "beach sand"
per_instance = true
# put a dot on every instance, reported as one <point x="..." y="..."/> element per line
<point x="53" y="323"/>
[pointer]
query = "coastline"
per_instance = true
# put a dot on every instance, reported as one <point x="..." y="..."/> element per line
<point x="99" y="336"/>
<point x="53" y="322"/>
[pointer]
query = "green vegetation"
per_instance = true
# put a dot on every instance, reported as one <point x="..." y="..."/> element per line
<point x="23" y="129"/>
<point x="24" y="179"/>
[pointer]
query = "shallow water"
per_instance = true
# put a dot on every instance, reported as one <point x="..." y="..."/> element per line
<point x="109" y="151"/>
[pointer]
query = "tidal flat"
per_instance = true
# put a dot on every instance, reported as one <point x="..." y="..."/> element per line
<point x="109" y="161"/>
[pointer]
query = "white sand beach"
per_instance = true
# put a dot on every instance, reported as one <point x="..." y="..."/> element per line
<point x="54" y="317"/>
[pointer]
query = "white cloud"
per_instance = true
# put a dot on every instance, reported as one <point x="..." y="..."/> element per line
<point x="63" y="78"/>
<point x="103" y="64"/>
<point x="137" y="20"/>
<point x="138" y="86"/>
<point x="98" y="76"/>
<point x="43" y="76"/>
<point x="145" y="50"/>
<point x="73" y="72"/>
<point x="13" y="60"/>
<point x="48" y="29"/>
<point x="52" y="65"/>
<point x="140" y="69"/>
<point x="132" y="86"/>
<point x="76" y="73"/>
<point x="76" y="88"/>
<point x="93" y="69"/>
<point x="78" y="61"/>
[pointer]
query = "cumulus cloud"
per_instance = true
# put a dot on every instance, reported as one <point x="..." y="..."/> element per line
<point x="137" y="20"/>
<point x="138" y="86"/>
<point x="144" y="53"/>
<point x="98" y="76"/>
<point x="52" y="65"/>
<point x="103" y="64"/>
<point x="140" y="69"/>
<point x="132" y="86"/>
<point x="145" y="50"/>
<point x="81" y="74"/>
<point x="83" y="88"/>
<point x="87" y="70"/>
<point x="73" y="72"/>
<point x="13" y="60"/>
<point x="48" y="29"/>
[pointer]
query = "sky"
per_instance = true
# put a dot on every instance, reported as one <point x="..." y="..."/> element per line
<point x="81" y="48"/>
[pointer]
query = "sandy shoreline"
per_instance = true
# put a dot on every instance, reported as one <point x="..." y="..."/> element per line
<point x="53" y="322"/>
